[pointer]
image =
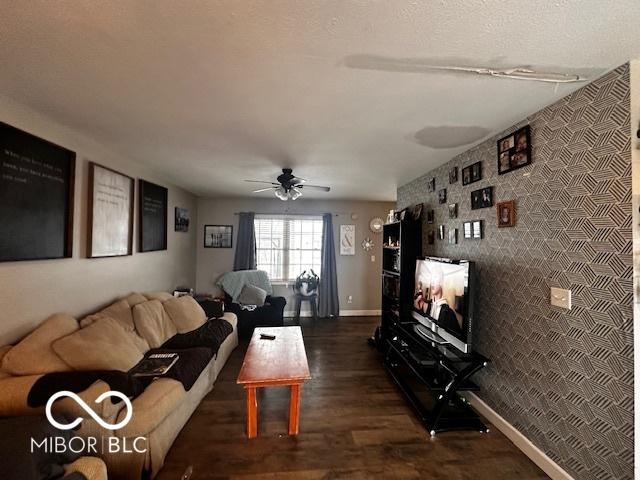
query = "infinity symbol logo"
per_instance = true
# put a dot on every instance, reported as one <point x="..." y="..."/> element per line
<point x="86" y="408"/>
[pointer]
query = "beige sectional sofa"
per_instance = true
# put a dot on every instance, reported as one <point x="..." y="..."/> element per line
<point x="115" y="338"/>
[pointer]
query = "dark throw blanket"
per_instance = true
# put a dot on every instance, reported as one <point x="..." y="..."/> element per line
<point x="191" y="362"/>
<point x="210" y="335"/>
<point x="76" y="382"/>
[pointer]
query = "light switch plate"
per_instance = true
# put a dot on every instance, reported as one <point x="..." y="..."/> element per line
<point x="373" y="258"/>
<point x="561" y="298"/>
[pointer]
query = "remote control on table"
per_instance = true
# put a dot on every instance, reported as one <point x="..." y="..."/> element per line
<point x="266" y="336"/>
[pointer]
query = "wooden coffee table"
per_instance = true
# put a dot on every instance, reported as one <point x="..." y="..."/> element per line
<point x="269" y="363"/>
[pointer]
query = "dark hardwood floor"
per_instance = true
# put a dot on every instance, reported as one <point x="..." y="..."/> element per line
<point x="354" y="424"/>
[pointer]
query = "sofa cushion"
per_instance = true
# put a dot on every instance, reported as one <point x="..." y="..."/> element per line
<point x="119" y="310"/>
<point x="161" y="296"/>
<point x="34" y="354"/>
<point x="103" y="345"/>
<point x="252" y="295"/>
<point x="185" y="313"/>
<point x="153" y="323"/>
<point x="134" y="299"/>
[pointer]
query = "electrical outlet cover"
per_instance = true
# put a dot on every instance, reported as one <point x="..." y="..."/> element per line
<point x="561" y="298"/>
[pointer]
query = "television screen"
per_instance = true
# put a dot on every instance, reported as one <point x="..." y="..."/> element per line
<point x="442" y="294"/>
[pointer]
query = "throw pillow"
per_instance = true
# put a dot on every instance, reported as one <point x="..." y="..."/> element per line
<point x="34" y="354"/>
<point x="252" y="295"/>
<point x="103" y="345"/>
<point x="185" y="313"/>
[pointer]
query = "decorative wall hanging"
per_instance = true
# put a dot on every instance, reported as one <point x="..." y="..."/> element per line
<point x="182" y="220"/>
<point x="431" y="237"/>
<point x="453" y="210"/>
<point x="37" y="181"/>
<point x="442" y="196"/>
<point x="347" y="239"/>
<point x="110" y="209"/>
<point x="367" y="244"/>
<point x="482" y="198"/>
<point x="453" y="175"/>
<point x="453" y="236"/>
<point x="441" y="232"/>
<point x="514" y="151"/>
<point x="472" y="230"/>
<point x="432" y="184"/>
<point x="375" y="225"/>
<point x="218" y="236"/>
<point x="472" y="173"/>
<point x="153" y="216"/>
<point x="506" y="213"/>
<point x="431" y="215"/>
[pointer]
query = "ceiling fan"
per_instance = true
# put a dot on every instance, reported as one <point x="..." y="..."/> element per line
<point x="288" y="186"/>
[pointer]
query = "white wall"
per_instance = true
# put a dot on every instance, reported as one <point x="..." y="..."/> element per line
<point x="32" y="290"/>
<point x="357" y="275"/>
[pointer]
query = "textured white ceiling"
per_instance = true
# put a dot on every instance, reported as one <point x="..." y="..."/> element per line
<point x="215" y="92"/>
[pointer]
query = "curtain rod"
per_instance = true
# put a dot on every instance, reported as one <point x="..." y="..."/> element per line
<point x="289" y="213"/>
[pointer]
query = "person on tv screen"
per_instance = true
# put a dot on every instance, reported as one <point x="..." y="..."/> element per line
<point x="437" y="306"/>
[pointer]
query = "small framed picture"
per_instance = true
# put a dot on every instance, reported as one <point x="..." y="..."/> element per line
<point x="506" y="214"/>
<point x="432" y="185"/>
<point x="482" y="198"/>
<point x="182" y="220"/>
<point x="467" y="230"/>
<point x="453" y="236"/>
<point x="477" y="229"/>
<point x="218" y="236"/>
<point x="431" y="237"/>
<point x="442" y="196"/>
<point x="472" y="173"/>
<point x="453" y="210"/>
<point x="514" y="151"/>
<point x="440" y="232"/>
<point x="431" y="215"/>
<point x="453" y="175"/>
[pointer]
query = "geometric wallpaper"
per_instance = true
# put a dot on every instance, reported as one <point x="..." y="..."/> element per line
<point x="562" y="378"/>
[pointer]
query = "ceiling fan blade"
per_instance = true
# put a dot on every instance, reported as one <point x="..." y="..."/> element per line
<point x="317" y="187"/>
<point x="297" y="180"/>
<point x="262" y="181"/>
<point x="264" y="189"/>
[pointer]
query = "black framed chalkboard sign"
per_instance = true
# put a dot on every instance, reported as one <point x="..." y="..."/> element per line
<point x="153" y="216"/>
<point x="37" y="180"/>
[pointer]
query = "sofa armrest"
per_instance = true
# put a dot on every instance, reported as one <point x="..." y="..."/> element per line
<point x="151" y="407"/>
<point x="107" y="410"/>
<point x="93" y="468"/>
<point x="277" y="302"/>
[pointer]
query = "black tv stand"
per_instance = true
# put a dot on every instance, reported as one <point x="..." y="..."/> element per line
<point x="431" y="375"/>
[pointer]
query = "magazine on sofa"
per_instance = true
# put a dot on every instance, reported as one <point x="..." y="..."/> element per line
<point x="155" y="364"/>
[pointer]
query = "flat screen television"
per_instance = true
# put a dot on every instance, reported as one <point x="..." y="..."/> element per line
<point x="443" y="300"/>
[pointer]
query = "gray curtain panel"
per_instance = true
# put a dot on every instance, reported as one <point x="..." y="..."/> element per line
<point x="245" y="256"/>
<point x="328" y="300"/>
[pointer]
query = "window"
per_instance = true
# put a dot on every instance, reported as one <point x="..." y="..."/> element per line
<point x="287" y="245"/>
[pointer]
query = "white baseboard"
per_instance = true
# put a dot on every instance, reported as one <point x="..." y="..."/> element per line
<point x="537" y="456"/>
<point x="343" y="313"/>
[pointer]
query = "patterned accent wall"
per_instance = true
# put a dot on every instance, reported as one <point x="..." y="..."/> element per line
<point x="563" y="378"/>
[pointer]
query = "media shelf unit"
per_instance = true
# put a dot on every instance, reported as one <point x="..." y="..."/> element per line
<point x="431" y="376"/>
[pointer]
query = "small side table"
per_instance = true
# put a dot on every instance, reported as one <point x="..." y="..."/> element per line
<point x="313" y="303"/>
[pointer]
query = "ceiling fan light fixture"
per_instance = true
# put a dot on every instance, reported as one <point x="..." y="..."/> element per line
<point x="281" y="193"/>
<point x="294" y="193"/>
